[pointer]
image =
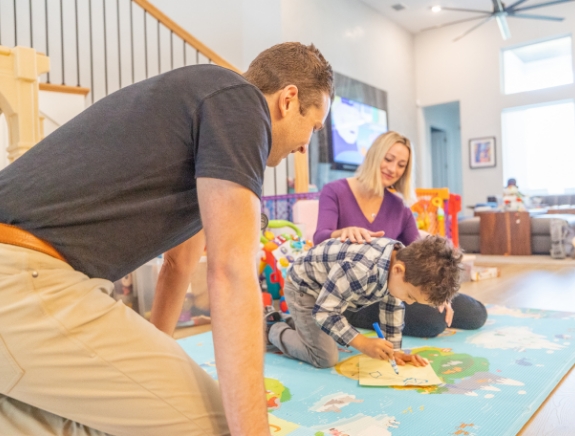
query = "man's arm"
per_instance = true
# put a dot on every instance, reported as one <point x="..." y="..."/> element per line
<point x="231" y="218"/>
<point x="173" y="280"/>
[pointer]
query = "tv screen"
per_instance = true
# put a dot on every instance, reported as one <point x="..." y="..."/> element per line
<point x="354" y="126"/>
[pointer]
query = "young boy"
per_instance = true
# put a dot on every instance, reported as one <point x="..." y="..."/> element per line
<point x="334" y="276"/>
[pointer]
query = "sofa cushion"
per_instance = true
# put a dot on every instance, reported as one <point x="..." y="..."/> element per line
<point x="469" y="226"/>
<point x="469" y="243"/>
<point x="540" y="224"/>
<point x="556" y="200"/>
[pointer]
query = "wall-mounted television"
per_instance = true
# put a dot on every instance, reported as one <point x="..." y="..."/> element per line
<point x="352" y="128"/>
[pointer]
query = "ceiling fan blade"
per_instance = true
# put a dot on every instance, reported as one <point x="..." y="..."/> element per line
<point x="485" y="20"/>
<point x="498" y="6"/>
<point x="541" y="5"/>
<point x="439" y="26"/>
<point x="503" y="26"/>
<point x="466" y="10"/>
<point x="535" y="17"/>
<point x="517" y="3"/>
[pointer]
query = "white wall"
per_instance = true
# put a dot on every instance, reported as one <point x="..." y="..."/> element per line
<point x="357" y="41"/>
<point x="468" y="71"/>
<point x="360" y="43"/>
<point x="58" y="108"/>
<point x="237" y="30"/>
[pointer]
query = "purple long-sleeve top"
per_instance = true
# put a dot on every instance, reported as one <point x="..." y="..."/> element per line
<point x="338" y="209"/>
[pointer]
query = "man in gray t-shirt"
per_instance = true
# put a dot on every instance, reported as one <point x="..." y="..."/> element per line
<point x="140" y="173"/>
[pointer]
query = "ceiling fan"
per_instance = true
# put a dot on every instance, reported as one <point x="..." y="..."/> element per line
<point x="500" y="13"/>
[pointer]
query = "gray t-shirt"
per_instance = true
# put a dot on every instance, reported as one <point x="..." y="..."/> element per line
<point x="116" y="186"/>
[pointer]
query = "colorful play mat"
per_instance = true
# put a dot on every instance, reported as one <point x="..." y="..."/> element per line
<point x="494" y="379"/>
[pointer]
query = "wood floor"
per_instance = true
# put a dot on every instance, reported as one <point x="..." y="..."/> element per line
<point x="537" y="282"/>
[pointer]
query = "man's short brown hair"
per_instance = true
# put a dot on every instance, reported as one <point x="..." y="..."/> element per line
<point x="293" y="63"/>
<point x="433" y="264"/>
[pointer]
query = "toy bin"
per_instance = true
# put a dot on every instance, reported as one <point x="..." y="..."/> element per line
<point x="196" y="309"/>
<point x="144" y="282"/>
<point x="137" y="289"/>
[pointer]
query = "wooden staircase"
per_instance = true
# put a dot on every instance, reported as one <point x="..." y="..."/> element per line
<point x="93" y="63"/>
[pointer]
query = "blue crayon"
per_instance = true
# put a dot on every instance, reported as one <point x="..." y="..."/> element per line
<point x="381" y="336"/>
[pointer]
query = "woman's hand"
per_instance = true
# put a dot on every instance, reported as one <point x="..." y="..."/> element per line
<point x="448" y="313"/>
<point x="357" y="235"/>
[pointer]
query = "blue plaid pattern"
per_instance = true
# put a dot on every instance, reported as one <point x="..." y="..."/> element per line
<point x="342" y="275"/>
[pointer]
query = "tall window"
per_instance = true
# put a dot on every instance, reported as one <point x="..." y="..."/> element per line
<point x="537" y="66"/>
<point x="539" y="147"/>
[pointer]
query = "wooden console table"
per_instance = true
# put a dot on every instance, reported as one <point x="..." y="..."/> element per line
<point x="507" y="233"/>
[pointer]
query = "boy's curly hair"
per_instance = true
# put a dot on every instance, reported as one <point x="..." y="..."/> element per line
<point x="433" y="264"/>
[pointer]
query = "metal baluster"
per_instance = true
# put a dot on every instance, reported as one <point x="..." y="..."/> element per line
<point x="62" y="42"/>
<point x="159" y="55"/>
<point x="146" y="41"/>
<point x="105" y="49"/>
<point x="47" y="41"/>
<point x="92" y="91"/>
<point x="287" y="174"/>
<point x="132" y="38"/>
<point x="171" y="50"/>
<point x="77" y="46"/>
<point x="184" y="46"/>
<point x="197" y="56"/>
<point x="119" y="44"/>
<point x="15" y="25"/>
<point x="31" y="32"/>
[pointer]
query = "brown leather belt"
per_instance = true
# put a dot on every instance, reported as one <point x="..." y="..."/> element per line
<point x="13" y="235"/>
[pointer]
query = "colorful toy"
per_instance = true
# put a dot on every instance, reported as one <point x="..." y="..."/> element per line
<point x="278" y="253"/>
<point x="513" y="200"/>
<point x="435" y="212"/>
<point x="267" y="299"/>
<point x="283" y="305"/>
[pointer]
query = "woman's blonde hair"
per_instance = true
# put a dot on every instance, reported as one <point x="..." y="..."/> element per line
<point x="369" y="173"/>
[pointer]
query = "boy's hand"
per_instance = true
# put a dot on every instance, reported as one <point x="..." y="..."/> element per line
<point x="414" y="359"/>
<point x="373" y="347"/>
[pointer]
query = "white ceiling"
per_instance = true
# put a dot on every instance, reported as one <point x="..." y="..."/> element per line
<point x="417" y="14"/>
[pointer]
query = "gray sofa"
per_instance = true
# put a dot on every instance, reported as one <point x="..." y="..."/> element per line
<point x="545" y="236"/>
<point x="555" y="200"/>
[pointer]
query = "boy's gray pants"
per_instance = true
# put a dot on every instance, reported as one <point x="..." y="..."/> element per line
<point x="307" y="342"/>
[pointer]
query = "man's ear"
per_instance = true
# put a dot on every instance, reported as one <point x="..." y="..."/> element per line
<point x="288" y="100"/>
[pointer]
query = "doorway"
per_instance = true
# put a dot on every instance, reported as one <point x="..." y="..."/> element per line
<point x="442" y="124"/>
<point x="439" y="158"/>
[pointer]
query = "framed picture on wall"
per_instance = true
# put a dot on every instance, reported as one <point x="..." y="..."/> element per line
<point x="482" y="152"/>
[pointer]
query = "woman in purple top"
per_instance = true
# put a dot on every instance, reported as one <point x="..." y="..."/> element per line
<point x="363" y="207"/>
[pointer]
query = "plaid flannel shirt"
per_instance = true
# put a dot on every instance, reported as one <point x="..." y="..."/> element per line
<point x="341" y="276"/>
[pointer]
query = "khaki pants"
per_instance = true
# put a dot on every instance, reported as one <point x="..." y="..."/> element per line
<point x="75" y="362"/>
